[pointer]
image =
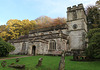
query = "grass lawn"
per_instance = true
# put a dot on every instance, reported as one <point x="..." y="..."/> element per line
<point x="52" y="63"/>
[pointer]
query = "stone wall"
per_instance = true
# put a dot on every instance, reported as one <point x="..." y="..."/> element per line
<point x="18" y="48"/>
<point x="76" y="39"/>
<point x="43" y="48"/>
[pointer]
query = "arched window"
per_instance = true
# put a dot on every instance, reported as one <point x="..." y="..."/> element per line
<point x="52" y="45"/>
<point x="23" y="47"/>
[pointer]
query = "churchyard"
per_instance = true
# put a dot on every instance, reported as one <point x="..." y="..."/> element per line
<point x="50" y="63"/>
<point x="59" y="45"/>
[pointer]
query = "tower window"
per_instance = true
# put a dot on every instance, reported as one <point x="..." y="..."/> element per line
<point x="74" y="15"/>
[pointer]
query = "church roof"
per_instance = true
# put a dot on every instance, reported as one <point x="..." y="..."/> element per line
<point x="23" y="37"/>
<point x="52" y="28"/>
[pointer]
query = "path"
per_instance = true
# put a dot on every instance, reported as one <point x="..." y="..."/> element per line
<point x="14" y="57"/>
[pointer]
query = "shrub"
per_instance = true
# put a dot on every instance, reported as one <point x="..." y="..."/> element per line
<point x="5" y="48"/>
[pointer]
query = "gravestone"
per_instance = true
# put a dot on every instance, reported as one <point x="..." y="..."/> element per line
<point x="62" y="61"/>
<point x="17" y="66"/>
<point x="17" y="59"/>
<point x="39" y="62"/>
<point x="4" y="63"/>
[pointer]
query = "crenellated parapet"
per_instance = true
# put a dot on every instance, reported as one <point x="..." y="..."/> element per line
<point x="73" y="8"/>
<point x="76" y="13"/>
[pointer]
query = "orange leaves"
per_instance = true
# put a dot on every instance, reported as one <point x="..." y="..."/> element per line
<point x="59" y="21"/>
<point x="53" y="22"/>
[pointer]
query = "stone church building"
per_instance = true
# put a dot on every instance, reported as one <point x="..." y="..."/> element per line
<point x="53" y="40"/>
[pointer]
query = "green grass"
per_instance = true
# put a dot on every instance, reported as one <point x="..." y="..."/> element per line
<point x="52" y="63"/>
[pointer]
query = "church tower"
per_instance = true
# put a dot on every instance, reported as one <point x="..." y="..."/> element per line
<point x="77" y="26"/>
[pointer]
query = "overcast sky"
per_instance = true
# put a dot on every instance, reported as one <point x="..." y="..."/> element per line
<point x="32" y="9"/>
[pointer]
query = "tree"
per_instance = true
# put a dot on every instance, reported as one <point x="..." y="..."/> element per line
<point x="27" y="26"/>
<point x="98" y="4"/>
<point x="47" y="22"/>
<point x="5" y="35"/>
<point x="33" y="24"/>
<point x="95" y="43"/>
<point x="2" y="28"/>
<point x="5" y="48"/>
<point x="44" y="20"/>
<point x="2" y="31"/>
<point x="59" y="21"/>
<point x="13" y="29"/>
<point x="93" y="50"/>
<point x="93" y="17"/>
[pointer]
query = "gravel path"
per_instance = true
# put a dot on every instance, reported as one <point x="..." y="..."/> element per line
<point x="14" y="57"/>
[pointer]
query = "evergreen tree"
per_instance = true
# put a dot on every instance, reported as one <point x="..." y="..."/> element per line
<point x="93" y="17"/>
<point x="93" y="50"/>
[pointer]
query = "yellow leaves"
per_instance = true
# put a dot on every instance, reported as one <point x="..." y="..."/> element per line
<point x="14" y="28"/>
<point x="4" y="35"/>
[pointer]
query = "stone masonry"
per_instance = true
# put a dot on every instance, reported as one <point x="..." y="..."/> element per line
<point x="53" y="40"/>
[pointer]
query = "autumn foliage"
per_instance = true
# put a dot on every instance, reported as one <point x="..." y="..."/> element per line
<point x="15" y="28"/>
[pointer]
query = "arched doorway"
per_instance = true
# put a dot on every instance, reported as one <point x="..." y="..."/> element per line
<point x="34" y="50"/>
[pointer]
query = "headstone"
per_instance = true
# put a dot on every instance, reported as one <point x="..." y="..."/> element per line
<point x="62" y="61"/>
<point x="12" y="63"/>
<point x="39" y="62"/>
<point x="17" y="66"/>
<point x="17" y="59"/>
<point x="4" y="63"/>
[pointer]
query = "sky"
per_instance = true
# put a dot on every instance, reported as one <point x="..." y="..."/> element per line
<point x="32" y="9"/>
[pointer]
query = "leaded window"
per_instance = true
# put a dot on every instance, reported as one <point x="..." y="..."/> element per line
<point x="52" y="45"/>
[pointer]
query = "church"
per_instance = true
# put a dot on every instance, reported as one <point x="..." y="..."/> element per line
<point x="52" y="40"/>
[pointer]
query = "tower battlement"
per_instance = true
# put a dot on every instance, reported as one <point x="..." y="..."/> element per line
<point x="76" y="12"/>
<point x="80" y="6"/>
